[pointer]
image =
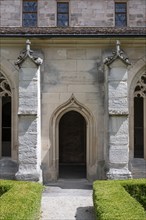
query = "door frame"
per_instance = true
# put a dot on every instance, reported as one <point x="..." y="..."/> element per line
<point x="91" y="151"/>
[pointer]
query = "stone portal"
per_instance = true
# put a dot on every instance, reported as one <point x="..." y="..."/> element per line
<point x="72" y="145"/>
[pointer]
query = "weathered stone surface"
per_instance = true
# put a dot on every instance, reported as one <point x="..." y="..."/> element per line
<point x="119" y="155"/>
<point x="117" y="89"/>
<point x="29" y="120"/>
<point x="66" y="71"/>
<point x="82" y="13"/>
<point x="118" y="106"/>
<point x="118" y="125"/>
<point x="118" y="120"/>
<point x="119" y="173"/>
<point x="8" y="168"/>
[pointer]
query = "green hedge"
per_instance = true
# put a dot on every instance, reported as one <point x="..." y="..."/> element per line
<point x="4" y="189"/>
<point x="113" y="202"/>
<point x="137" y="190"/>
<point x="20" y="200"/>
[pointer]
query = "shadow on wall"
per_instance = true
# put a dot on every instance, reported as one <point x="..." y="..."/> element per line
<point x="8" y="169"/>
<point x="85" y="213"/>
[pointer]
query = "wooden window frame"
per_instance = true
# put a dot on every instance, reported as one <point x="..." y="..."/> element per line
<point x="125" y="13"/>
<point x="32" y="12"/>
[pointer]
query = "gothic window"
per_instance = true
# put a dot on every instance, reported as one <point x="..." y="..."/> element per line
<point x="29" y="13"/>
<point x="120" y="14"/>
<point x="140" y="118"/>
<point x="5" y="117"/>
<point x="62" y="14"/>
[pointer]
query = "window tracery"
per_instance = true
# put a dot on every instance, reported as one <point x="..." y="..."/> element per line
<point x="4" y="86"/>
<point x="140" y="89"/>
<point x="140" y="118"/>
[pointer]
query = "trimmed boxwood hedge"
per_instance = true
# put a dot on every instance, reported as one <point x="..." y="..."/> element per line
<point x="137" y="190"/>
<point x="20" y="200"/>
<point x="120" y="200"/>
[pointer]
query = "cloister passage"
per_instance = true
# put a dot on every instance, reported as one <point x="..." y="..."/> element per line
<point x="72" y="146"/>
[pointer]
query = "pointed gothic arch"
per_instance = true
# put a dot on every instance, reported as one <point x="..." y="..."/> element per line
<point x="11" y="75"/>
<point x="73" y="105"/>
<point x="137" y="116"/>
<point x="140" y="117"/>
<point x="5" y="117"/>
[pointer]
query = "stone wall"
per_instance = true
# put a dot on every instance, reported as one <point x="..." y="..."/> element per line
<point x="10" y="13"/>
<point x="72" y="70"/>
<point x="75" y="66"/>
<point x="95" y="13"/>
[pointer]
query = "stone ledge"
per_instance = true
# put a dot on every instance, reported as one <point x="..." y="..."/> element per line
<point x="72" y="31"/>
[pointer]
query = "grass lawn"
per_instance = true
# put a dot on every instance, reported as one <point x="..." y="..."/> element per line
<point x="120" y="200"/>
<point x="20" y="200"/>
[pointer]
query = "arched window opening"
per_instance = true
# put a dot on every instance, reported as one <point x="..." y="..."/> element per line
<point x="72" y="145"/>
<point x="5" y="117"/>
<point x="140" y="118"/>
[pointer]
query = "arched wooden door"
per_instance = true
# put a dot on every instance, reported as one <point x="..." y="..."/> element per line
<point x="72" y="145"/>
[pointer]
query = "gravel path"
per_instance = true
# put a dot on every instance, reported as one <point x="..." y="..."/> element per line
<point x="68" y="200"/>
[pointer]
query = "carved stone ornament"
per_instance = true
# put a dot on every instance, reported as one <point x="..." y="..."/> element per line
<point x="140" y="89"/>
<point x="118" y="54"/>
<point x="4" y="86"/>
<point x="28" y="53"/>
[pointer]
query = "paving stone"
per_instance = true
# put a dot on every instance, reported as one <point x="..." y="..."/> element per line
<point x="67" y="200"/>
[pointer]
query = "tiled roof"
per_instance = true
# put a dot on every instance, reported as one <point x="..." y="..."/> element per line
<point x="72" y="31"/>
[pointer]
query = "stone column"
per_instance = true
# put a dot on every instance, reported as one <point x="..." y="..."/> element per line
<point x="118" y="135"/>
<point x="29" y="152"/>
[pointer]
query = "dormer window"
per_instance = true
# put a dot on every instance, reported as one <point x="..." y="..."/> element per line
<point x="120" y="14"/>
<point x="29" y="17"/>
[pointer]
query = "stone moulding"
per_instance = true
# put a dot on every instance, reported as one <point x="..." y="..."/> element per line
<point x="4" y="86"/>
<point x="117" y="54"/>
<point x="73" y="105"/>
<point x="28" y="53"/>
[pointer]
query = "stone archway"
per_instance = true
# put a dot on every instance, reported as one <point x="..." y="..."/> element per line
<point x="10" y="74"/>
<point x="137" y="98"/>
<point x="72" y="145"/>
<point x="91" y="151"/>
<point x="137" y="122"/>
<point x="5" y="117"/>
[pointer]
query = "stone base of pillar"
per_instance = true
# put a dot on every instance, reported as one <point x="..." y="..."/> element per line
<point x="29" y="176"/>
<point x="116" y="174"/>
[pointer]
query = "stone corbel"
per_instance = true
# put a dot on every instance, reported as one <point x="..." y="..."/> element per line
<point x="28" y="53"/>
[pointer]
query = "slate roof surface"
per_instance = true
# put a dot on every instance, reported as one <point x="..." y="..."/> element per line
<point x="73" y="31"/>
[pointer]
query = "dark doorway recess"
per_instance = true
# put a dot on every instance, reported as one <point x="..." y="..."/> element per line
<point x="138" y="127"/>
<point x="6" y="126"/>
<point x="72" y="146"/>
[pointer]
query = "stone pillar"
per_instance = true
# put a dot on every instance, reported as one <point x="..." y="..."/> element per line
<point x="29" y="152"/>
<point x="118" y="135"/>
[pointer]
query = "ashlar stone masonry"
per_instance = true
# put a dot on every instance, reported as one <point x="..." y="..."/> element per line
<point x="29" y="113"/>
